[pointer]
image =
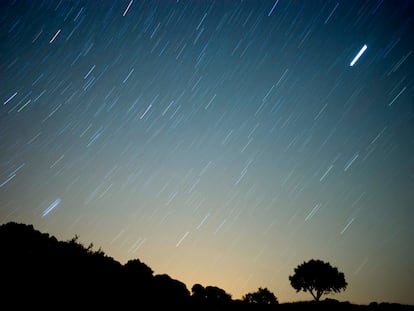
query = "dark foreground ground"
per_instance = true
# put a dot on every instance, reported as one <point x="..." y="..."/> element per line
<point x="38" y="272"/>
<point x="342" y="306"/>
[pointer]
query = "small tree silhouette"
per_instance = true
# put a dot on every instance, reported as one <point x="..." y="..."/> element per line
<point x="198" y="292"/>
<point x="210" y="296"/>
<point x="318" y="278"/>
<point x="262" y="296"/>
<point x="138" y="270"/>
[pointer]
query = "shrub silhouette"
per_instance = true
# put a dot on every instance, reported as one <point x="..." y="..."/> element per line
<point x="262" y="297"/>
<point x="170" y="292"/>
<point x="198" y="294"/>
<point x="318" y="278"/>
<point x="210" y="296"/>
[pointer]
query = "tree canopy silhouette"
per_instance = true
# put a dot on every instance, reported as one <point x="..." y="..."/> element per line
<point x="318" y="278"/>
<point x="261" y="296"/>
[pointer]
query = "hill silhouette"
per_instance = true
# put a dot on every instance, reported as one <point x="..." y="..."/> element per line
<point x="38" y="271"/>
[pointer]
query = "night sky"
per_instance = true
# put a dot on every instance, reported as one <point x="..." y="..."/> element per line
<point x="220" y="142"/>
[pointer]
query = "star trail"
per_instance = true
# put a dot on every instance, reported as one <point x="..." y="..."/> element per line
<point x="358" y="55"/>
<point x="220" y="142"/>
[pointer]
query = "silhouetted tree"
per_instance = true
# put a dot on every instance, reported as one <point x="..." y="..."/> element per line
<point x="198" y="290"/>
<point x="318" y="278"/>
<point x="137" y="280"/>
<point x="217" y="295"/>
<point x="262" y="296"/>
<point x="170" y="292"/>
<point x="198" y="295"/>
<point x="138" y="270"/>
<point x="210" y="296"/>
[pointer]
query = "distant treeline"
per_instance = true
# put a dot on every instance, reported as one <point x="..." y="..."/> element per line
<point x="38" y="271"/>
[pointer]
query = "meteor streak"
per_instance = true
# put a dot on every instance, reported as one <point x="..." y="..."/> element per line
<point x="358" y="55"/>
<point x="51" y="207"/>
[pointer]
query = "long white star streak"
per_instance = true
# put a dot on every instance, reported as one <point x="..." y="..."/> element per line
<point x="54" y="204"/>
<point x="126" y="10"/>
<point x="182" y="239"/>
<point x="358" y="55"/>
<point x="54" y="37"/>
<point x="274" y="5"/>
<point x="11" y="176"/>
<point x="398" y="95"/>
<point x="10" y="98"/>
<point x="347" y="225"/>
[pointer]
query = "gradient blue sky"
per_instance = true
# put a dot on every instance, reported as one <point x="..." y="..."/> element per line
<point x="220" y="142"/>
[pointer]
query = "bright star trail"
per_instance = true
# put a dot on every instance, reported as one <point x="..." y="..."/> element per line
<point x="358" y="55"/>
<point x="51" y="207"/>
<point x="219" y="142"/>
